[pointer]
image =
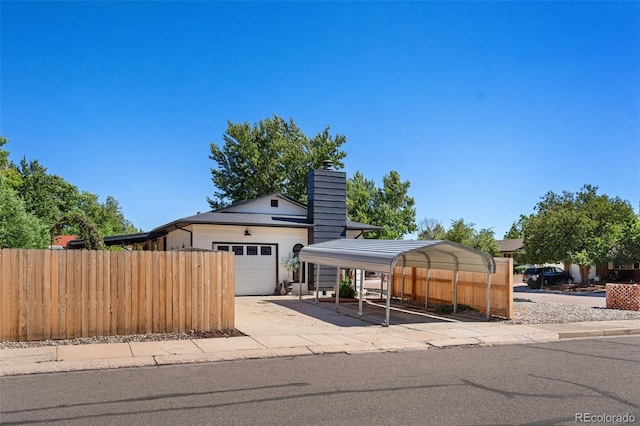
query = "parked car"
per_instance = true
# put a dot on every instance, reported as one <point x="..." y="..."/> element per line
<point x="550" y="275"/>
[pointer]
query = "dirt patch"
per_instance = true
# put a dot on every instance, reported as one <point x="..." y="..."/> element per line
<point x="576" y="288"/>
<point x="201" y="334"/>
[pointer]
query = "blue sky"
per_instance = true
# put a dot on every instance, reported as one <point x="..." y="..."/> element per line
<point x="482" y="106"/>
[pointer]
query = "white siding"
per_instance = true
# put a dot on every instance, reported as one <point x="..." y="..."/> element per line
<point x="283" y="238"/>
<point x="263" y="205"/>
<point x="179" y="238"/>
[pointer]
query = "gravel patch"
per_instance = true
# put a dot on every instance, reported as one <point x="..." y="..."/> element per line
<point x="528" y="312"/>
<point x="151" y="337"/>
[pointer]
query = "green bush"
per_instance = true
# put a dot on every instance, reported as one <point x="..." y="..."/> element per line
<point x="520" y="269"/>
<point x="462" y="307"/>
<point x="444" y="309"/>
<point x="535" y="284"/>
<point x="347" y="291"/>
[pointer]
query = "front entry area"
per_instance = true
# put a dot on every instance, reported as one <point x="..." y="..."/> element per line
<point x="255" y="267"/>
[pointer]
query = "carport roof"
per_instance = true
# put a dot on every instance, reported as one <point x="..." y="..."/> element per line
<point x="383" y="255"/>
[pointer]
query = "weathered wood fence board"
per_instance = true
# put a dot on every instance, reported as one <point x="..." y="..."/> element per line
<point x="61" y="294"/>
<point x="472" y="287"/>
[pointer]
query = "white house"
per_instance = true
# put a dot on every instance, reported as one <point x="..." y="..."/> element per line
<point x="263" y="231"/>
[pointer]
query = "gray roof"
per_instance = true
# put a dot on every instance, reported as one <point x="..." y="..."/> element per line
<point x="256" y="219"/>
<point x="224" y="217"/>
<point x="382" y="255"/>
<point x="514" y="244"/>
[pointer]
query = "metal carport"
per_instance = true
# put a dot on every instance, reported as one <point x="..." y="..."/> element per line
<point x="384" y="255"/>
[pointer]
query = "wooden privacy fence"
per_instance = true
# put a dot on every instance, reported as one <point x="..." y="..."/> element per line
<point x="472" y="287"/>
<point x="61" y="294"/>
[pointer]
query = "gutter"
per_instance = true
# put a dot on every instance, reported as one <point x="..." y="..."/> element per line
<point x="190" y="234"/>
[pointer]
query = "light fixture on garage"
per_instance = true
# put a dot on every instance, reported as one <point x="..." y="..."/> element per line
<point x="246" y="232"/>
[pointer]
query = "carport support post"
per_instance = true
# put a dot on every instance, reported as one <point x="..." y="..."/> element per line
<point x="300" y="283"/>
<point x="426" y="291"/>
<point x="317" y="283"/>
<point x="488" y="295"/>
<point x="389" y="282"/>
<point x="361" y="290"/>
<point x="455" y="292"/>
<point x="337" y="294"/>
<point x="402" y="293"/>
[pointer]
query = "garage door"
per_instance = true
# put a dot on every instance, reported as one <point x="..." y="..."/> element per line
<point x="255" y="267"/>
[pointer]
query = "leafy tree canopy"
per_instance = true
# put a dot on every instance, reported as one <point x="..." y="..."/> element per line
<point x="516" y="229"/>
<point x="18" y="228"/>
<point x="270" y="156"/>
<point x="584" y="228"/>
<point x="46" y="198"/>
<point x="431" y="229"/>
<point x="389" y="207"/>
<point x="465" y="234"/>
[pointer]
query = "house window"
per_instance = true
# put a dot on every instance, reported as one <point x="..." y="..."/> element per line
<point x="223" y="248"/>
<point x="252" y="250"/>
<point x="238" y="250"/>
<point x="629" y="266"/>
<point x="265" y="250"/>
<point x="274" y="203"/>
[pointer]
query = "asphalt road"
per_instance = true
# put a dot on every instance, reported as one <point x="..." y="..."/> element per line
<point x="528" y="384"/>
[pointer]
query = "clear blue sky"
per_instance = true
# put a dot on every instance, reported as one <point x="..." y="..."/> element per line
<point x="482" y="106"/>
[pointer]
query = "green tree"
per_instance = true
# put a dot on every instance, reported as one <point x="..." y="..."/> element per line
<point x="466" y="234"/>
<point x="81" y="225"/>
<point x="389" y="207"/>
<point x="361" y="198"/>
<point x="4" y="154"/>
<point x="45" y="196"/>
<point x="484" y="240"/>
<point x="270" y="156"/>
<point x="7" y="168"/>
<point x="18" y="229"/>
<point x="108" y="216"/>
<point x="516" y="229"/>
<point x="583" y="228"/>
<point x="431" y="229"/>
<point x="461" y="232"/>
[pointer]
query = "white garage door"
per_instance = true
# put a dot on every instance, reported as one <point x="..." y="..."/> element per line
<point x="255" y="267"/>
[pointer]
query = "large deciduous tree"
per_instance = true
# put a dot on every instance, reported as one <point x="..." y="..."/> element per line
<point x="389" y="207"/>
<point x="583" y="228"/>
<point x="466" y="234"/>
<point x="18" y="228"/>
<point x="431" y="229"/>
<point x="516" y="229"/>
<point x="270" y="156"/>
<point x="46" y="196"/>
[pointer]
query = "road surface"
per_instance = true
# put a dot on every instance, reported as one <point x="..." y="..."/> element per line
<point x="528" y="384"/>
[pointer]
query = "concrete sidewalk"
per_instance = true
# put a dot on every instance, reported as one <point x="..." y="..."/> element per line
<point x="283" y="326"/>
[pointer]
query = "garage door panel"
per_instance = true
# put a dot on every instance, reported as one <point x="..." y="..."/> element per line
<point x="255" y="268"/>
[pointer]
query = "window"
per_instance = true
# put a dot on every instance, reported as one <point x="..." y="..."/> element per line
<point x="238" y="250"/>
<point x="274" y="203"/>
<point x="252" y="250"/>
<point x="223" y="248"/>
<point x="265" y="250"/>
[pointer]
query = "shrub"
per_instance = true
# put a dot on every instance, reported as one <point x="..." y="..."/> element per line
<point x="444" y="309"/>
<point x="520" y="269"/>
<point x="535" y="284"/>
<point x="347" y="291"/>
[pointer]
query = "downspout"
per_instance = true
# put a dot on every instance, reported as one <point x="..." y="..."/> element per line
<point x="190" y="234"/>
